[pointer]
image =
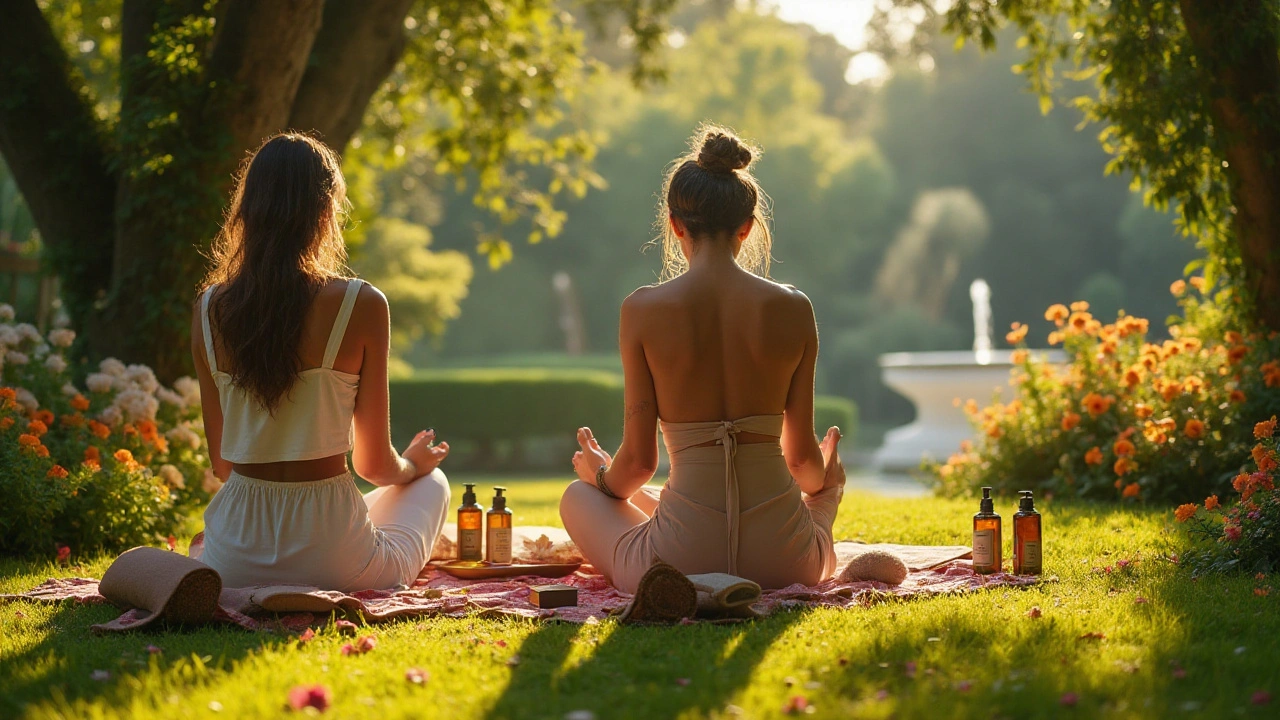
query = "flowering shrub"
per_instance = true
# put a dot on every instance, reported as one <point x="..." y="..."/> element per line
<point x="1125" y="417"/>
<point x="119" y="463"/>
<point x="1245" y="536"/>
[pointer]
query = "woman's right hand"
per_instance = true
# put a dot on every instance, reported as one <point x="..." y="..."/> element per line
<point x="425" y="456"/>
<point x="833" y="469"/>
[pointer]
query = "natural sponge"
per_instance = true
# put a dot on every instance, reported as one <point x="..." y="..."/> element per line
<point x="878" y="565"/>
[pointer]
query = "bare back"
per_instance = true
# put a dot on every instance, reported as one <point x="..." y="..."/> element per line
<point x="722" y="345"/>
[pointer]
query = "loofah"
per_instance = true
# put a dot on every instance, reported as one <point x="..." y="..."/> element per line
<point x="664" y="595"/>
<point x="877" y="565"/>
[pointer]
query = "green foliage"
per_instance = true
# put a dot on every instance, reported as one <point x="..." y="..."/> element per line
<point x="831" y="411"/>
<point x="423" y="287"/>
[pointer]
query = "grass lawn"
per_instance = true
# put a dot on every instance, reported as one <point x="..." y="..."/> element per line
<point x="1170" y="647"/>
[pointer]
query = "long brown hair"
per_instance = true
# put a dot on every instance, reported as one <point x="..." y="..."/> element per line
<point x="280" y="244"/>
<point x="712" y="191"/>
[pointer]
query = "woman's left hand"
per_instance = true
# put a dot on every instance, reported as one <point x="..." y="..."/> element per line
<point x="588" y="461"/>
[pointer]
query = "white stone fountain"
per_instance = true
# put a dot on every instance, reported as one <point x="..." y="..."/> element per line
<point x="933" y="380"/>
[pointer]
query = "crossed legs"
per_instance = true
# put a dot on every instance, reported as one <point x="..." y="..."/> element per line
<point x="596" y="521"/>
<point x="411" y="516"/>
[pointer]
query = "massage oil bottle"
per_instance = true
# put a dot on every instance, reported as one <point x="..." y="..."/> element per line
<point x="470" y="532"/>
<point x="498" y="524"/>
<point x="1026" y="537"/>
<point x="987" y="540"/>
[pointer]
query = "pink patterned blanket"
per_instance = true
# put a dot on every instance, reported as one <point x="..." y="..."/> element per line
<point x="933" y="571"/>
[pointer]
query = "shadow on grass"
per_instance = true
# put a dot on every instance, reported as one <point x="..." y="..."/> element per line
<point x="623" y="671"/>
<point x="61" y="665"/>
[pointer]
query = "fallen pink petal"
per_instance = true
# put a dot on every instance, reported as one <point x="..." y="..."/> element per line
<point x="345" y="627"/>
<point x="1068" y="699"/>
<point x="1262" y="697"/>
<point x="797" y="704"/>
<point x="307" y="636"/>
<point x="1034" y="612"/>
<point x="314" y="696"/>
<point x="417" y="676"/>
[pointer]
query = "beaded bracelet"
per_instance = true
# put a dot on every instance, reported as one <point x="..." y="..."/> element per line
<point x="600" y="482"/>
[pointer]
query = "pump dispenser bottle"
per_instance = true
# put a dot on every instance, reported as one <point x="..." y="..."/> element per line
<point x="498" y="525"/>
<point x="987" y="538"/>
<point x="1026" y="537"/>
<point x="470" y="527"/>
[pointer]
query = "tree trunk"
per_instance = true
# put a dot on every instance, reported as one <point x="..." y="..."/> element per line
<point x="56" y="151"/>
<point x="1238" y="49"/>
<point x="167" y="213"/>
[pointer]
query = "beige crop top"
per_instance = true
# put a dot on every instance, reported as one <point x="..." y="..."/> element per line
<point x="312" y="421"/>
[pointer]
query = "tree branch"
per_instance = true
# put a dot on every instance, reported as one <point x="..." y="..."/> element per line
<point x="358" y="46"/>
<point x="56" y="149"/>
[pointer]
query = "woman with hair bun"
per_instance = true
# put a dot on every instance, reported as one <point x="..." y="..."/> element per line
<point x="722" y="359"/>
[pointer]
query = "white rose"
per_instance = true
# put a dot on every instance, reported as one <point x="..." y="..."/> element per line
<point x="9" y="336"/>
<point x="137" y="404"/>
<point x="99" y="382"/>
<point x="183" y="435"/>
<point x="70" y="390"/>
<point x="170" y="397"/>
<point x="211" y="482"/>
<point x="13" y="357"/>
<point x="189" y="389"/>
<point x="28" y="332"/>
<point x="141" y="376"/>
<point x="6" y="312"/>
<point x="112" y="367"/>
<point x="55" y="363"/>
<point x="62" y="337"/>
<point x="27" y="400"/>
<point x="41" y="350"/>
<point x="172" y="476"/>
<point x="111" y="416"/>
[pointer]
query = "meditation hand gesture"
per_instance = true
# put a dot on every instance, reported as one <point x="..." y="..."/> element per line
<point x="425" y="456"/>
<point x="834" y="475"/>
<point x="590" y="458"/>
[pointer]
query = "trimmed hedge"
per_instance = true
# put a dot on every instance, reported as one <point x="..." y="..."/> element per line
<point x="484" y="411"/>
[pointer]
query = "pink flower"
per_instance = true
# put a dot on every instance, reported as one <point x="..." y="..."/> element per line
<point x="316" y="696"/>
<point x="1232" y="532"/>
<point x="347" y="649"/>
<point x="64" y="554"/>
<point x="797" y="704"/>
<point x="366" y="643"/>
<point x="1068" y="699"/>
<point x="416" y="676"/>
<point x="306" y="637"/>
<point x="1262" y="697"/>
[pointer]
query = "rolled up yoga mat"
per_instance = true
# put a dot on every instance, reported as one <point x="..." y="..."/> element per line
<point x="160" y="585"/>
<point x="725" y="596"/>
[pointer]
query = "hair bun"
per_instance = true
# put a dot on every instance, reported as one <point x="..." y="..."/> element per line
<point x="722" y="152"/>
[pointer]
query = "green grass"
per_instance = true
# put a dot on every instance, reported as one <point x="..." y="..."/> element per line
<point x="976" y="656"/>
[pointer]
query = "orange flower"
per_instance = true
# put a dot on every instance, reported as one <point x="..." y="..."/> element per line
<point x="1132" y="376"/>
<point x="1170" y="390"/>
<point x="1265" y="459"/>
<point x="1070" y="420"/>
<point x="1017" y="334"/>
<point x="1132" y="490"/>
<point x="1017" y="357"/>
<point x="1154" y="434"/>
<point x="57" y="472"/>
<point x="91" y="453"/>
<point x="72" y="420"/>
<point x="1142" y="410"/>
<point x="1096" y="404"/>
<point x="1197" y="282"/>
<point x="1079" y="321"/>
<point x="1194" y="429"/>
<point x="28" y="440"/>
<point x="93" y="465"/>
<point x="45" y="417"/>
<point x="1079" y="306"/>
<point x="42" y="451"/>
<point x="1265" y="429"/>
<point x="1236" y="354"/>
<point x="80" y="402"/>
<point x="1186" y="512"/>
<point x="1055" y="337"/>
<point x="37" y="428"/>
<point x="8" y="393"/>
<point x="123" y="455"/>
<point x="1237" y="396"/>
<point x="148" y="430"/>
<point x="1211" y="502"/>
<point x="994" y="431"/>
<point x="6" y="422"/>
<point x="1192" y="384"/>
<point x="1123" y="448"/>
<point x="99" y="430"/>
<point x="1123" y="467"/>
<point x="1178" y="287"/>
<point x="1094" y="456"/>
<point x="1057" y="313"/>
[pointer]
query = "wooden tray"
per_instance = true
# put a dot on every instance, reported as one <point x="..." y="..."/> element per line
<point x="471" y="570"/>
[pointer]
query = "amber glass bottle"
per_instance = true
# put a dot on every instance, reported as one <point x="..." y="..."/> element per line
<point x="470" y="530"/>
<point x="498" y="526"/>
<point x="987" y="538"/>
<point x="1026" y="537"/>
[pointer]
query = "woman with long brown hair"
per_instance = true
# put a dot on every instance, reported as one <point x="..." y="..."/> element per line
<point x="723" y="360"/>
<point x="292" y="360"/>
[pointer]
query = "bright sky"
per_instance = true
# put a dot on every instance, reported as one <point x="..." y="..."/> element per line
<point x="846" y="20"/>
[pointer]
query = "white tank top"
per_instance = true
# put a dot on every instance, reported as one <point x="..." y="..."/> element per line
<point x="312" y="421"/>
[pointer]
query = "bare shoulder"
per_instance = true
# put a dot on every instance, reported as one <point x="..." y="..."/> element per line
<point x="642" y="300"/>
<point x="371" y="305"/>
<point x="789" y="300"/>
